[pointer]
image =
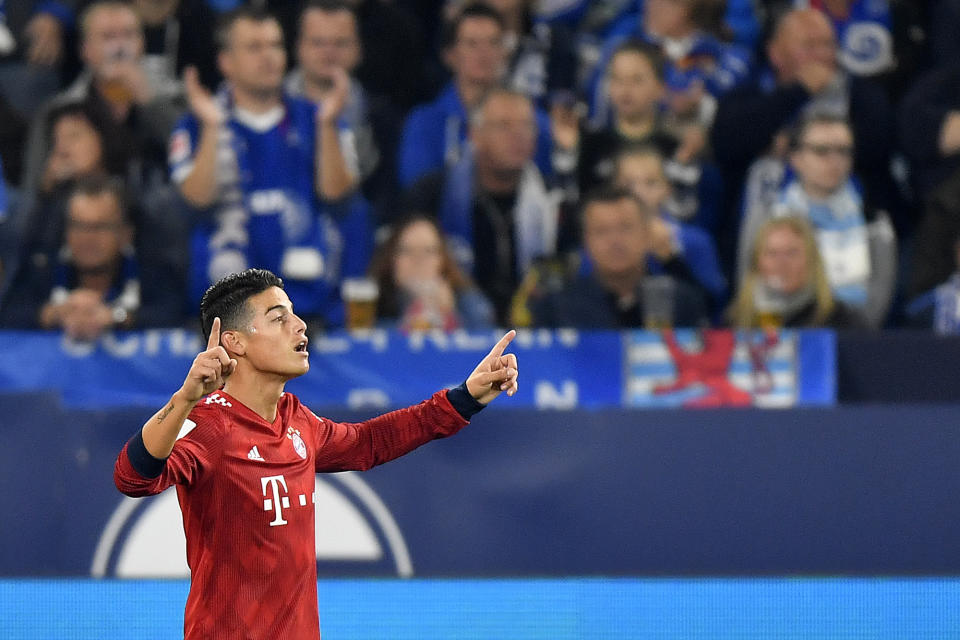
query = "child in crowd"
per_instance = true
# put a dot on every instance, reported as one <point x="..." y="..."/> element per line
<point x="641" y="170"/>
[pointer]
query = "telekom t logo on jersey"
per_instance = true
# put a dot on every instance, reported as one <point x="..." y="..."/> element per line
<point x="275" y="497"/>
<point x="278" y="502"/>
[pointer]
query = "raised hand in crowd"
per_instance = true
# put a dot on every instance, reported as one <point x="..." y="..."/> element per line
<point x="693" y="141"/>
<point x="816" y="76"/>
<point x="332" y="105"/>
<point x="686" y="102"/>
<point x="45" y="35"/>
<point x="663" y="241"/>
<point x="59" y="167"/>
<point x="201" y="101"/>
<point x="565" y="124"/>
<point x="334" y="177"/>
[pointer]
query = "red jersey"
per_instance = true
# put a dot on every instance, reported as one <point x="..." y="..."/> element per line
<point x="245" y="488"/>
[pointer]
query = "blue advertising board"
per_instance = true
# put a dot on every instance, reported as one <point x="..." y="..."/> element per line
<point x="562" y="369"/>
<point x="523" y="492"/>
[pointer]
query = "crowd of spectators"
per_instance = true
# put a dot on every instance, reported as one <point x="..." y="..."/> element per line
<point x="594" y="164"/>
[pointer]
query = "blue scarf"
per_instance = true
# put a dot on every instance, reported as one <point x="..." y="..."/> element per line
<point x="841" y="231"/>
<point x="280" y="227"/>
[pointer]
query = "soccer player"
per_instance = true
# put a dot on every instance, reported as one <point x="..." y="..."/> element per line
<point x="243" y="454"/>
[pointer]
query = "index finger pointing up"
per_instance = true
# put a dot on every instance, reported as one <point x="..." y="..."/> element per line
<point x="214" y="340"/>
<point x="498" y="348"/>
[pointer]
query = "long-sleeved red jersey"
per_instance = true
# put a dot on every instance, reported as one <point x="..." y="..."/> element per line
<point x="245" y="488"/>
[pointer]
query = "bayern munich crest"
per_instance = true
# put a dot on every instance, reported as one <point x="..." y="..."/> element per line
<point x="298" y="444"/>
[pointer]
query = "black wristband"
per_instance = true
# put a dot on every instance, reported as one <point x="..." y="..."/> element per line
<point x="141" y="460"/>
<point x="465" y="404"/>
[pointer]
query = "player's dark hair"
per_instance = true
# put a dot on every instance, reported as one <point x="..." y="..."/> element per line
<point x="221" y="33"/>
<point x="227" y="298"/>
<point x="451" y="28"/>
<point x="647" y="50"/>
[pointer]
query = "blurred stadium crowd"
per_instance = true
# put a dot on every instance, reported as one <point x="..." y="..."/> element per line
<point x="604" y="164"/>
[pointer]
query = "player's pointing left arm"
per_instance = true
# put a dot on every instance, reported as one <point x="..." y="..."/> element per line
<point x="496" y="373"/>
<point x="360" y="446"/>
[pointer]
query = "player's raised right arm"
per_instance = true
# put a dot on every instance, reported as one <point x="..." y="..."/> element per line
<point x="144" y="465"/>
<point x="208" y="373"/>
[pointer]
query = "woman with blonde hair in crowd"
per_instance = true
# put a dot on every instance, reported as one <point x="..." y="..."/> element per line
<point x="785" y="284"/>
<point x="420" y="285"/>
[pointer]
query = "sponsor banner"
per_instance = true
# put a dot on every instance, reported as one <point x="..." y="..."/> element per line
<point x="562" y="369"/>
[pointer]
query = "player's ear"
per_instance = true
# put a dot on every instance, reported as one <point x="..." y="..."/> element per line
<point x="233" y="342"/>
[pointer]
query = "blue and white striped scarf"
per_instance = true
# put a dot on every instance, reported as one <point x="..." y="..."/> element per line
<point x="841" y="231"/>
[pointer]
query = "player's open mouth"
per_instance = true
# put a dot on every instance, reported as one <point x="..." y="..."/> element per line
<point x="301" y="347"/>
